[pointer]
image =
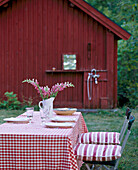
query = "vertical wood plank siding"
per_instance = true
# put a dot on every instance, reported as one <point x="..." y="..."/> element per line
<point x="33" y="36"/>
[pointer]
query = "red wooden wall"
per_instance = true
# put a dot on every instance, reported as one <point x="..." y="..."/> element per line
<point x="33" y="36"/>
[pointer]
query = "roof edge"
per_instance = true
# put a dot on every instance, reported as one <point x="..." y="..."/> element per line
<point x="2" y="2"/>
<point x="101" y="18"/>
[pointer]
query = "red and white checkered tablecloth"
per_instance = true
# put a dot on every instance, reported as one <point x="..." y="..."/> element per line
<point x="31" y="146"/>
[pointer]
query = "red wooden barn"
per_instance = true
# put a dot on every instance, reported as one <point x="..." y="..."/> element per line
<point x="57" y="41"/>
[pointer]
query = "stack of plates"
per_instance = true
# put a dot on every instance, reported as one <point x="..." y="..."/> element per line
<point x="58" y="125"/>
<point x="63" y="119"/>
<point x="16" y="120"/>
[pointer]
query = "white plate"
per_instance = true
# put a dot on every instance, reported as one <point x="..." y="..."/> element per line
<point x="63" y="119"/>
<point x="59" y="125"/>
<point x="16" y="120"/>
<point x="65" y="111"/>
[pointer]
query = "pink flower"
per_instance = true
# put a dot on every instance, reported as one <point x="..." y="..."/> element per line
<point x="46" y="92"/>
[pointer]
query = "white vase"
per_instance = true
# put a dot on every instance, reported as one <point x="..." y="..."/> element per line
<point x="47" y="106"/>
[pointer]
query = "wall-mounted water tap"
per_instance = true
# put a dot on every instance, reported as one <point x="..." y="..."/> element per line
<point x="95" y="76"/>
<point x="91" y="75"/>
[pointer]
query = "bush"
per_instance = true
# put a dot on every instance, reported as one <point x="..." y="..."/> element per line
<point x="11" y="102"/>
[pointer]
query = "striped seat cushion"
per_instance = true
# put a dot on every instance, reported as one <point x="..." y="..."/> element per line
<point x="93" y="152"/>
<point x="100" y="138"/>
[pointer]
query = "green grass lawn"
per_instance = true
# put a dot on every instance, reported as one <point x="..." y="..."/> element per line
<point x="104" y="121"/>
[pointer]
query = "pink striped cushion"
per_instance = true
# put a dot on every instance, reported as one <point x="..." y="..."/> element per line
<point x="100" y="138"/>
<point x="93" y="152"/>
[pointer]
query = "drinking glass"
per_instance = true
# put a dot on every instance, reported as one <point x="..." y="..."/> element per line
<point x="29" y="113"/>
<point x="43" y="116"/>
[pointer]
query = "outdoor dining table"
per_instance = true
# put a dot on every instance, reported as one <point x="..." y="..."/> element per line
<point x="33" y="146"/>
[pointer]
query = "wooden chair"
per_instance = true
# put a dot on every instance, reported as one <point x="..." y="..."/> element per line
<point x="106" y="137"/>
<point x="96" y="154"/>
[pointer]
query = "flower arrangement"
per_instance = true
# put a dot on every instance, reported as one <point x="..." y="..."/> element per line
<point x="46" y="92"/>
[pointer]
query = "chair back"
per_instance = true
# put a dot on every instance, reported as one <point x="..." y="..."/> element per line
<point x="128" y="112"/>
<point x="125" y="124"/>
<point x="131" y="120"/>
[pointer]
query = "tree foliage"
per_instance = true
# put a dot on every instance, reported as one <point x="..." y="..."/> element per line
<point x="124" y="13"/>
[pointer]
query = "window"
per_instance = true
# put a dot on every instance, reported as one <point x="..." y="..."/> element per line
<point x="69" y="61"/>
